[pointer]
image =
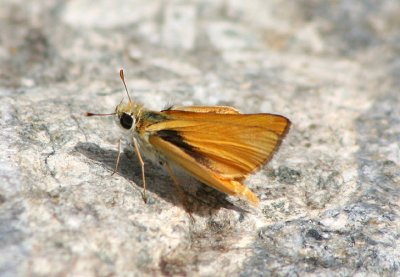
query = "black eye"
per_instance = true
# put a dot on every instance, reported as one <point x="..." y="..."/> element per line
<point x="126" y="121"/>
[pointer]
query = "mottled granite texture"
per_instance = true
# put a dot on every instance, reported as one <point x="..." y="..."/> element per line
<point x="329" y="199"/>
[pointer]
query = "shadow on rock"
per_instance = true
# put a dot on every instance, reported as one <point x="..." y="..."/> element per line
<point x="203" y="202"/>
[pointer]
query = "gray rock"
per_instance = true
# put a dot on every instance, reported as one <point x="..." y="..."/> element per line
<point x="329" y="198"/>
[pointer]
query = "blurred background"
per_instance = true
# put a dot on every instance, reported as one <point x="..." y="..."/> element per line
<point x="329" y="198"/>
<point x="61" y="41"/>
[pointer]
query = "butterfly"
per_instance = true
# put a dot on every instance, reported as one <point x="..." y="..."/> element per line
<point x="217" y="145"/>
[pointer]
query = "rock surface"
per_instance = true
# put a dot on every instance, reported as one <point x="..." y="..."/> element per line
<point x="329" y="198"/>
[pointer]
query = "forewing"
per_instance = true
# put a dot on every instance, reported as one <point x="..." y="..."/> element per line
<point x="232" y="145"/>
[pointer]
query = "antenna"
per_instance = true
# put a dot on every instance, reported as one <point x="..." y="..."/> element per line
<point x="121" y="75"/>
<point x="99" y="114"/>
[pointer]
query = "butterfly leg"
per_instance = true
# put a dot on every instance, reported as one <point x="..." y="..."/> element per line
<point x="135" y="143"/>
<point x="118" y="157"/>
<point x="181" y="193"/>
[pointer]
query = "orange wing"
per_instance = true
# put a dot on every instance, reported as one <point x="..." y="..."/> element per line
<point x="219" y="149"/>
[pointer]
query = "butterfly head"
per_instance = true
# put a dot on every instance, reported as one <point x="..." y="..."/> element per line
<point x="127" y="114"/>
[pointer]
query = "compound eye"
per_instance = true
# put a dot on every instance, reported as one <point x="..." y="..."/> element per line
<point x="126" y="121"/>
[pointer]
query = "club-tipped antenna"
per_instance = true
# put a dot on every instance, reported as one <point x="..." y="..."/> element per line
<point x="121" y="74"/>
<point x="99" y="114"/>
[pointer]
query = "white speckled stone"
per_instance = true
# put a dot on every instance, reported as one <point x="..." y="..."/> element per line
<point x="329" y="197"/>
